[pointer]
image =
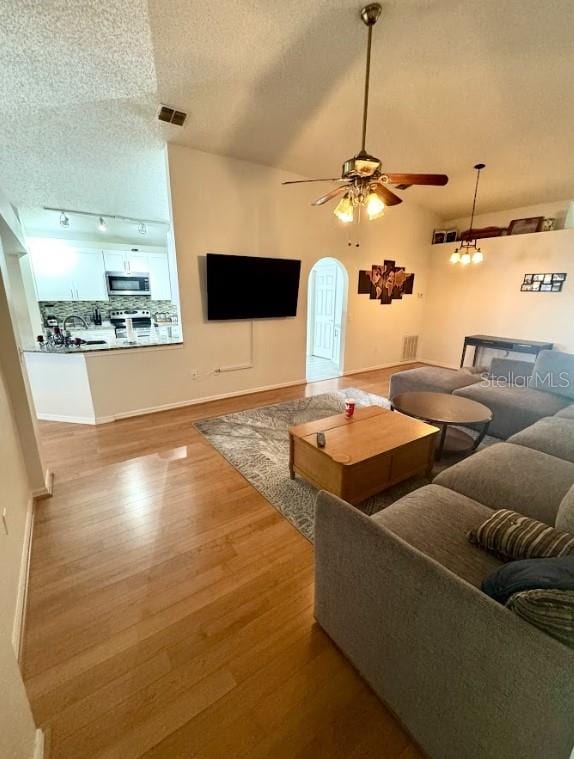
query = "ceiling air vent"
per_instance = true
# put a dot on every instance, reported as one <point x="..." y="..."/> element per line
<point x="171" y="116"/>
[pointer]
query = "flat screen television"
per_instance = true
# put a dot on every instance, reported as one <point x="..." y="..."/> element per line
<point x="247" y="287"/>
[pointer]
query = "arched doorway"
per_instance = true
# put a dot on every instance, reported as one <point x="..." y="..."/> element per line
<point x="327" y="292"/>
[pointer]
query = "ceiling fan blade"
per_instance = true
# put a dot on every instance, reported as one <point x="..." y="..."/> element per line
<point x="389" y="198"/>
<point x="304" y="181"/>
<point x="330" y="195"/>
<point x="438" y="180"/>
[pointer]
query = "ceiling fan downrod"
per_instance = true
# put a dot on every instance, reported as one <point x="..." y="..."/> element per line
<point x="370" y="14"/>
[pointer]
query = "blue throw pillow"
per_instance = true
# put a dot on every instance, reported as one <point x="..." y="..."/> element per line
<point x="530" y="574"/>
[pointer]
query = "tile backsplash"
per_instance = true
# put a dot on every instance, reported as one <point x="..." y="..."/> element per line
<point x="85" y="308"/>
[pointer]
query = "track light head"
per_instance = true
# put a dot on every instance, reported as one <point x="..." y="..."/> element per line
<point x="64" y="220"/>
<point x="102" y="225"/>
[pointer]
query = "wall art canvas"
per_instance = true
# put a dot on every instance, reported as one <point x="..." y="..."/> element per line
<point x="386" y="282"/>
<point x="364" y="287"/>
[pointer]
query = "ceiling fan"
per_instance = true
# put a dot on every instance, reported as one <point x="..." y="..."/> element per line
<point x="362" y="182"/>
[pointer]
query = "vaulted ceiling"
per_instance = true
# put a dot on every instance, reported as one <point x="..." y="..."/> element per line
<point x="280" y="83"/>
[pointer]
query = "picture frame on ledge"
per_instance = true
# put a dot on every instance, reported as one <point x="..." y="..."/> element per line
<point x="526" y="226"/>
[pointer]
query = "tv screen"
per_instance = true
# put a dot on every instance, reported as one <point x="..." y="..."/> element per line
<point x="246" y="287"/>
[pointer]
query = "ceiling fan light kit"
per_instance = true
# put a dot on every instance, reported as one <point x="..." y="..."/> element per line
<point x="363" y="184"/>
<point x="468" y="251"/>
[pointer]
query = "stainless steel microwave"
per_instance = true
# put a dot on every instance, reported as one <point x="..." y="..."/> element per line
<point x="120" y="283"/>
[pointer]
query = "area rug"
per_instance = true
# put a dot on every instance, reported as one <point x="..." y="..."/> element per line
<point x="256" y="442"/>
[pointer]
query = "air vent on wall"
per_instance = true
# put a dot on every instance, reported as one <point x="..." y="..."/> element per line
<point x="171" y="116"/>
<point x="410" y="347"/>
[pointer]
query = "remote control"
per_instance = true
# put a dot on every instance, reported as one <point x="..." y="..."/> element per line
<point x="320" y="440"/>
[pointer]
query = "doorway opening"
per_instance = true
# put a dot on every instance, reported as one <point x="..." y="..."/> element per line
<point x="326" y="319"/>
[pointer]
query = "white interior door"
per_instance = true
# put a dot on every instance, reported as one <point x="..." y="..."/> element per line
<point x="325" y="287"/>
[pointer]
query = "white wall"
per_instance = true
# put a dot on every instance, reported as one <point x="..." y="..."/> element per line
<point x="229" y="206"/>
<point x="17" y="729"/>
<point x="61" y="388"/>
<point x="486" y="298"/>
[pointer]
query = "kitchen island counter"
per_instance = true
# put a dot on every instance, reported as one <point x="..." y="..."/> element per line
<point x="113" y="345"/>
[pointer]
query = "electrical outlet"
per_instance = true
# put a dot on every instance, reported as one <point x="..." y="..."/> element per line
<point x="5" y="520"/>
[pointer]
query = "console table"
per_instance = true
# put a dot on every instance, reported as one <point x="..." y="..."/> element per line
<point x="502" y="343"/>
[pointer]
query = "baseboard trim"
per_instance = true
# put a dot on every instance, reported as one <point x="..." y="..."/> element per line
<point x="39" y="744"/>
<point x="351" y="372"/>
<point x="22" y="596"/>
<point x="196" y="401"/>
<point x="47" y="490"/>
<point x="437" y="363"/>
<point x="70" y="419"/>
<point x="210" y="398"/>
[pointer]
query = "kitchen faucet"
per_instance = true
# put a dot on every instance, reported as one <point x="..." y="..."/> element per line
<point x="73" y="316"/>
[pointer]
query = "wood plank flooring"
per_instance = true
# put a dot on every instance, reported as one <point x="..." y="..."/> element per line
<point x="171" y="607"/>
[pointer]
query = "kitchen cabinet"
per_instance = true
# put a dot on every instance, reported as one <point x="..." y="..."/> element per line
<point x="69" y="274"/>
<point x="114" y="260"/>
<point x="159" y="279"/>
<point x="130" y="262"/>
<point x="89" y="277"/>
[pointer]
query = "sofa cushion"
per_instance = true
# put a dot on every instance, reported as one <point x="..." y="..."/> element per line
<point x="436" y="521"/>
<point x="565" y="515"/>
<point x="554" y="373"/>
<point x="566" y="413"/>
<point x="509" y="535"/>
<point x="432" y="379"/>
<point x="529" y="574"/>
<point x="552" y="611"/>
<point x="551" y="435"/>
<point x="513" y="408"/>
<point x="506" y="476"/>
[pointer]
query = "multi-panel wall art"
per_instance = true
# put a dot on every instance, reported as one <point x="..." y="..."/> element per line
<point x="386" y="282"/>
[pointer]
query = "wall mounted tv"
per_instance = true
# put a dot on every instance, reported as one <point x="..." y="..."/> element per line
<point x="247" y="287"/>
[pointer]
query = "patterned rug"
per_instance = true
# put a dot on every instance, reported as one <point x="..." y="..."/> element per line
<point x="256" y="443"/>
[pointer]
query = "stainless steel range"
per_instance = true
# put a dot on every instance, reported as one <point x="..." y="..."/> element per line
<point x="141" y="321"/>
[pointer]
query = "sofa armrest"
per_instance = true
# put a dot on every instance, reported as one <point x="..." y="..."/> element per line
<point x="466" y="676"/>
<point x="511" y="370"/>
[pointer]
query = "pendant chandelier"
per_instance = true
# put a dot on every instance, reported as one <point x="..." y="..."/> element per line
<point x="468" y="251"/>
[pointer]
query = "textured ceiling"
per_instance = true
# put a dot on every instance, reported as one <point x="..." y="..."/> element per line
<point x="454" y="83"/>
<point x="77" y="107"/>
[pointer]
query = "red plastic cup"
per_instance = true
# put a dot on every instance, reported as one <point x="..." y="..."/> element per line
<point x="349" y="407"/>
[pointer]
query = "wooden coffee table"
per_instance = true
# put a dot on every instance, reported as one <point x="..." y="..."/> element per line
<point x="364" y="455"/>
<point x="445" y="410"/>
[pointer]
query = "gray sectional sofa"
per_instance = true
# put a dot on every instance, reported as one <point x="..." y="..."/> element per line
<point x="399" y="593"/>
<point x="517" y="392"/>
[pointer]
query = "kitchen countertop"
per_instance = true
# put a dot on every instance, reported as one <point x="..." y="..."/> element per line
<point x="117" y="344"/>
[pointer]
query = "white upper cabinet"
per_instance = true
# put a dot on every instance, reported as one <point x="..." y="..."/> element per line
<point x="159" y="276"/>
<point x="114" y="260"/>
<point x="64" y="273"/>
<point x="137" y="262"/>
<point x="90" y="277"/>
<point x="128" y="262"/>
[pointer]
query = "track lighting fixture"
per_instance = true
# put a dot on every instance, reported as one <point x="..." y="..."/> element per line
<point x="64" y="220"/>
<point x="142" y="228"/>
<point x="102" y="225"/>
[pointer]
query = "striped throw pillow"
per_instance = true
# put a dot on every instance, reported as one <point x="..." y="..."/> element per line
<point x="509" y="535"/>
<point x="552" y="611"/>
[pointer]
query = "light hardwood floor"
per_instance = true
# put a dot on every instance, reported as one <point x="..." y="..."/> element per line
<point x="171" y="607"/>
